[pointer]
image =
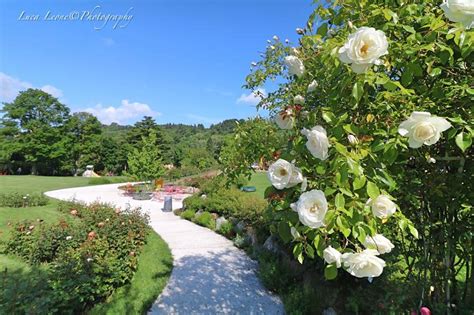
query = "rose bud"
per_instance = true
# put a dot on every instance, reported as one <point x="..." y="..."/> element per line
<point x="73" y="212"/>
<point x="91" y="235"/>
<point x="100" y="224"/>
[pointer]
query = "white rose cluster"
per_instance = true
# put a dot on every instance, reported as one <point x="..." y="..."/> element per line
<point x="363" y="49"/>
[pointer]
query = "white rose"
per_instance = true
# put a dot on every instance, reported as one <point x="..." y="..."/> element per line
<point x="332" y="255"/>
<point x="379" y="243"/>
<point x="298" y="99"/>
<point x="459" y="11"/>
<point x="364" y="48"/>
<point x="318" y="143"/>
<point x="311" y="207"/>
<point x="285" y="119"/>
<point x="364" y="264"/>
<point x="276" y="38"/>
<point x="312" y="86"/>
<point x="382" y="206"/>
<point x="282" y="174"/>
<point x="421" y="128"/>
<point x="295" y="65"/>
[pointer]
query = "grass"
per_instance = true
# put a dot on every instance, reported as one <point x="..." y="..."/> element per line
<point x="155" y="260"/>
<point x="261" y="182"/>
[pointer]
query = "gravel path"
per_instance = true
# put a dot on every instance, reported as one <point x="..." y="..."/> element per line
<point x="210" y="275"/>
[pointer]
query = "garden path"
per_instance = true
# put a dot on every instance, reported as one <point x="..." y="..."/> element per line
<point x="210" y="274"/>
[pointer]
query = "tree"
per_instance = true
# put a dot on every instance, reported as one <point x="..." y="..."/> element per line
<point x="83" y="136"/>
<point x="38" y="120"/>
<point x="142" y="129"/>
<point x="144" y="162"/>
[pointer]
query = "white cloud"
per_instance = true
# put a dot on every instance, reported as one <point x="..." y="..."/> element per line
<point x="123" y="114"/>
<point x="253" y="98"/>
<point x="54" y="91"/>
<point x="10" y="87"/>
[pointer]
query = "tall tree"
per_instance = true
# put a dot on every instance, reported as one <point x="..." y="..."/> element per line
<point x="83" y="140"/>
<point x="142" y="129"/>
<point x="39" y="119"/>
<point x="144" y="162"/>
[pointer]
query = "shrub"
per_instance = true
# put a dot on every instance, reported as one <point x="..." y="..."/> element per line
<point x="188" y="214"/>
<point x="88" y="255"/>
<point x="226" y="229"/>
<point x="392" y="129"/>
<point x="206" y="219"/>
<point x="229" y="202"/>
<point x="17" y="200"/>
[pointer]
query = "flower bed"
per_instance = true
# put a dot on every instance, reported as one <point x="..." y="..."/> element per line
<point x="82" y="259"/>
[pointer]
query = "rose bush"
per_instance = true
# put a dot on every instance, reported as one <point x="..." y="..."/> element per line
<point x="391" y="151"/>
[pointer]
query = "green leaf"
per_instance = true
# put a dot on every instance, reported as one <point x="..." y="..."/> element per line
<point x="339" y="201"/>
<point x="309" y="250"/>
<point x="298" y="252"/>
<point x="359" y="182"/>
<point x="358" y="91"/>
<point x="413" y="231"/>
<point x="409" y="29"/>
<point x="322" y="30"/>
<point x="372" y="190"/>
<point x="330" y="272"/>
<point x="284" y="231"/>
<point x="435" y="72"/>
<point x="463" y="140"/>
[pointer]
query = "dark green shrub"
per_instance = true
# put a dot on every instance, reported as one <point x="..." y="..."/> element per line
<point x="17" y="200"/>
<point x="188" y="214"/>
<point x="206" y="219"/>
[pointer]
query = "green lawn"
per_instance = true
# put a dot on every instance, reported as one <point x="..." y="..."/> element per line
<point x="155" y="261"/>
<point x="261" y="182"/>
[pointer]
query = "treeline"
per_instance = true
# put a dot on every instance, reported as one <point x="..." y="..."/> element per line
<point x="39" y="135"/>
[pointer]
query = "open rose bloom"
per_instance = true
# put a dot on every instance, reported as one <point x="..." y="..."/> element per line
<point x="363" y="264"/>
<point x="282" y="174"/>
<point x="422" y="128"/>
<point x="311" y="207"/>
<point x="363" y="49"/>
<point x="461" y="11"/>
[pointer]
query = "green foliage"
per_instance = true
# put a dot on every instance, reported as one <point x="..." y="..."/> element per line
<point x="428" y="68"/>
<point x="34" y="124"/>
<point x="145" y="163"/>
<point x="254" y="141"/>
<point x="188" y="214"/>
<point x="229" y="203"/>
<point x="88" y="257"/>
<point x="17" y="200"/>
<point x="226" y="228"/>
<point x="205" y="219"/>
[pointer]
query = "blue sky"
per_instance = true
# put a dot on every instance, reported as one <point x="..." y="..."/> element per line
<point x="180" y="61"/>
